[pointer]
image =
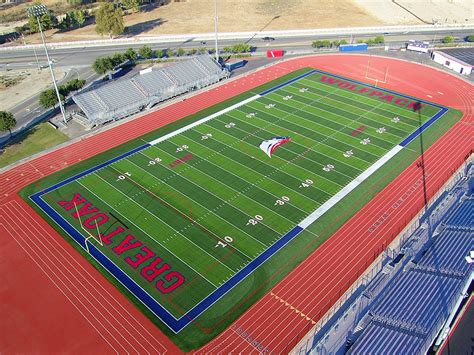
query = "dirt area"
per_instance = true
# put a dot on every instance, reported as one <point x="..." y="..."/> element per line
<point x="197" y="16"/>
<point x="29" y="82"/>
<point x="440" y="11"/>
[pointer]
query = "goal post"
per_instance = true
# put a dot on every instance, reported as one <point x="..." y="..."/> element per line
<point x="377" y="80"/>
<point x="89" y="234"/>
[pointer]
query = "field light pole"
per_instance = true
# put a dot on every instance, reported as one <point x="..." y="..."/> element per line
<point x="215" y="29"/>
<point x="37" y="11"/>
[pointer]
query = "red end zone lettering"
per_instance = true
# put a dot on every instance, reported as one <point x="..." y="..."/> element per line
<point x="382" y="95"/>
<point x="166" y="280"/>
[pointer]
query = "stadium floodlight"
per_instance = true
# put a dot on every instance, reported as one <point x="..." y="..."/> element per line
<point x="37" y="11"/>
<point x="215" y="29"/>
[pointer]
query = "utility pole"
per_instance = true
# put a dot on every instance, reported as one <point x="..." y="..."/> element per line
<point x="37" y="11"/>
<point x="215" y="29"/>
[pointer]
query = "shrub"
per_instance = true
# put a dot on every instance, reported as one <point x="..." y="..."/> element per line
<point x="448" y="39"/>
<point x="379" y="39"/>
<point x="160" y="53"/>
<point x="145" y="52"/>
<point x="321" y="44"/>
<point x="48" y="98"/>
<point x="131" y="54"/>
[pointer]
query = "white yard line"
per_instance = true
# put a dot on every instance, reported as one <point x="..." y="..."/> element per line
<point x="239" y="193"/>
<point x="263" y="177"/>
<point x="397" y="138"/>
<point x="149" y="236"/>
<point x="307" y="149"/>
<point x="208" y="210"/>
<point x="348" y="188"/>
<point x="202" y="120"/>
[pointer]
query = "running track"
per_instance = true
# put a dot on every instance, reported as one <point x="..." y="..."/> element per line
<point x="54" y="300"/>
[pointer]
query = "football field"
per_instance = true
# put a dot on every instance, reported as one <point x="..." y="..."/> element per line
<point x="185" y="217"/>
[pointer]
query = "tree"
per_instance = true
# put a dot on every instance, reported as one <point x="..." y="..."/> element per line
<point x="7" y="121"/>
<point x="470" y="38"/>
<point x="73" y="85"/>
<point x="180" y="52"/>
<point x="321" y="44"/>
<point x="118" y="58"/>
<point x="109" y="20"/>
<point x="145" y="52"/>
<point x="103" y="65"/>
<point x="448" y="39"/>
<point x="131" y="4"/>
<point x="379" y="39"/>
<point x="47" y="21"/>
<point x="160" y="53"/>
<point x="131" y="54"/>
<point x="70" y="20"/>
<point x="48" y="98"/>
<point x="80" y="17"/>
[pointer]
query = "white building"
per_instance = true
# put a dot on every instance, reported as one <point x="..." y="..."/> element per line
<point x="450" y="61"/>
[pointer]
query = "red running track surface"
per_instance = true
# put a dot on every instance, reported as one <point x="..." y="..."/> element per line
<point x="54" y="300"/>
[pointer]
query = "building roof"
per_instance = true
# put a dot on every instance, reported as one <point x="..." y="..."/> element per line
<point x="465" y="55"/>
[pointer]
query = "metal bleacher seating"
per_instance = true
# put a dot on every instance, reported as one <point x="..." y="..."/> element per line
<point x="406" y="317"/>
<point x="448" y="252"/>
<point x="379" y="338"/>
<point x="463" y="215"/>
<point x="416" y="299"/>
<point x="124" y="97"/>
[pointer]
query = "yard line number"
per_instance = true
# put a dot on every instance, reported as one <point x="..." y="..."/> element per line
<point x="181" y="148"/>
<point x="328" y="167"/>
<point x="123" y="176"/>
<point x="154" y="161"/>
<point x="306" y="183"/>
<point x="253" y="221"/>
<point x="227" y="240"/>
<point x="281" y="201"/>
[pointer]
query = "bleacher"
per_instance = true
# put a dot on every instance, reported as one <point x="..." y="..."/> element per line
<point x="408" y="315"/>
<point x="382" y="339"/>
<point x="124" y="97"/>
<point x="463" y="216"/>
<point x="415" y="299"/>
<point x="448" y="253"/>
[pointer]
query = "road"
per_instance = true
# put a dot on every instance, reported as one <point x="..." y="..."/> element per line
<point x="77" y="61"/>
<point x="83" y="57"/>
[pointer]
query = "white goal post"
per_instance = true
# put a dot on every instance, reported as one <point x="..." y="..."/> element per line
<point x="90" y="235"/>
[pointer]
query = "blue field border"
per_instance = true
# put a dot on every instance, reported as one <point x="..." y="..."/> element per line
<point x="423" y="127"/>
<point x="172" y="322"/>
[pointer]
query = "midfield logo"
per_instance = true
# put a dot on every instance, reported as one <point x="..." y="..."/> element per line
<point x="269" y="146"/>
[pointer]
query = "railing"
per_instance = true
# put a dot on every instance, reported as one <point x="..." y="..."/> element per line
<point x="240" y="35"/>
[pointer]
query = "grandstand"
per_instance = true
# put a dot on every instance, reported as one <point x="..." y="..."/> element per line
<point x="420" y="300"/>
<point x="125" y="97"/>
<point x="411" y="302"/>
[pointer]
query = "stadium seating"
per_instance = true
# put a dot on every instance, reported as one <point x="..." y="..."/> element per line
<point x="448" y="252"/>
<point x="128" y="96"/>
<point x="463" y="216"/>
<point x="382" y="339"/>
<point x="406" y="317"/>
